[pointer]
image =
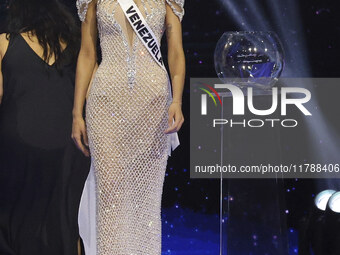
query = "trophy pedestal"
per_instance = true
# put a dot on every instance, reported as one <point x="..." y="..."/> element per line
<point x="253" y="213"/>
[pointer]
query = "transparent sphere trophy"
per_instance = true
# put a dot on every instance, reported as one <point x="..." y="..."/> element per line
<point x="246" y="58"/>
<point x="253" y="213"/>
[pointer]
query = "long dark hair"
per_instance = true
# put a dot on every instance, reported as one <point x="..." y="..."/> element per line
<point x="50" y="21"/>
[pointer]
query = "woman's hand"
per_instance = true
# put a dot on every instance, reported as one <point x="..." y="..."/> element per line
<point x="175" y="112"/>
<point x="79" y="135"/>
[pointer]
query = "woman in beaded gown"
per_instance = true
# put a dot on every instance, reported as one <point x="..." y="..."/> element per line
<point x="131" y="123"/>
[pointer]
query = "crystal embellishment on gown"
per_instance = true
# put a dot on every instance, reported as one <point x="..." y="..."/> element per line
<point x="126" y="116"/>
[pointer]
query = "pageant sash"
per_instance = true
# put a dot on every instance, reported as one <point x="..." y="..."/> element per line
<point x="148" y="38"/>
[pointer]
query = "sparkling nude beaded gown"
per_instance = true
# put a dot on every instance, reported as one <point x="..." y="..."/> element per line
<point x="126" y="116"/>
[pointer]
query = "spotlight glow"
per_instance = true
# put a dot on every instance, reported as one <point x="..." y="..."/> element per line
<point x="322" y="198"/>
<point x="286" y="22"/>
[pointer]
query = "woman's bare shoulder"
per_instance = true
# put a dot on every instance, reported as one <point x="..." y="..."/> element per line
<point x="3" y="38"/>
<point x="3" y="44"/>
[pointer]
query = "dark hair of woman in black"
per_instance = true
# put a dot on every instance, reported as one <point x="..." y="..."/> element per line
<point x="50" y="22"/>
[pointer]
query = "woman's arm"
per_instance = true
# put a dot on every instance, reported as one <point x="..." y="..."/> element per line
<point x="3" y="48"/>
<point x="1" y="79"/>
<point x="86" y="64"/>
<point x="93" y="74"/>
<point x="176" y="60"/>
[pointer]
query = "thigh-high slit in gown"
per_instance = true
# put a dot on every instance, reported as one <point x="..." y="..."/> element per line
<point x="126" y="116"/>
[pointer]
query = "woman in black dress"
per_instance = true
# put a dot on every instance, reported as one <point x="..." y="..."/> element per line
<point x="42" y="173"/>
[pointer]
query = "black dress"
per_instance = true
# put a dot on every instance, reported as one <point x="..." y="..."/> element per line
<point x="42" y="173"/>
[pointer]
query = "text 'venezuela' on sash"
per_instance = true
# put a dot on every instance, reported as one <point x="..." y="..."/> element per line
<point x="144" y="33"/>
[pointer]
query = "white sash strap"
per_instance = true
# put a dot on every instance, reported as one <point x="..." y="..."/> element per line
<point x="149" y="40"/>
